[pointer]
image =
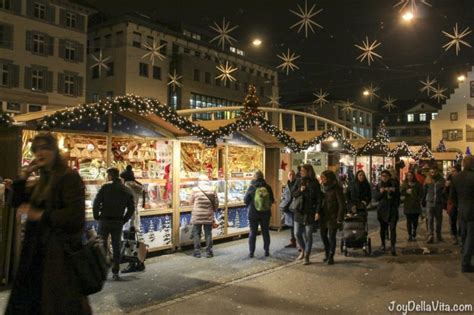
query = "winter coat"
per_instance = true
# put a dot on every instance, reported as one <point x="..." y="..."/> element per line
<point x="462" y="195"/>
<point x="112" y="200"/>
<point x="412" y="203"/>
<point x="249" y="199"/>
<point x="45" y="283"/>
<point x="333" y="208"/>
<point x="358" y="192"/>
<point x="388" y="202"/>
<point x="311" y="200"/>
<point x="205" y="202"/>
<point x="434" y="193"/>
<point x="286" y="199"/>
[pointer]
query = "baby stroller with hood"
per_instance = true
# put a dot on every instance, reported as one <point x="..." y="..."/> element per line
<point x="356" y="233"/>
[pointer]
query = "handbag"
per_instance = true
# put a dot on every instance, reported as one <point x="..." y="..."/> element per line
<point x="296" y="204"/>
<point x="208" y="198"/>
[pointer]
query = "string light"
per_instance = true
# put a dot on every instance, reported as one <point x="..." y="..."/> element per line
<point x="6" y="120"/>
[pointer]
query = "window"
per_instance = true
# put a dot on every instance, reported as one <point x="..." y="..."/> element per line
<point x="95" y="72"/>
<point x="367" y="119"/>
<point x="207" y="77"/>
<point x="13" y="107"/>
<point x="5" y="4"/>
<point x="70" y="51"/>
<point x="143" y="69"/>
<point x="95" y="97"/>
<point x="262" y="91"/>
<point x="203" y="101"/>
<point x="39" y="11"/>
<point x="434" y="116"/>
<point x="119" y="38"/>
<point x="164" y="44"/>
<point x="34" y="108"/>
<point x="6" y="35"/>
<point x="149" y="40"/>
<point x="452" y="134"/>
<point x="69" y="84"/>
<point x="453" y="116"/>
<point x="4" y="73"/>
<point x="217" y="81"/>
<point x="361" y="118"/>
<point x="137" y="40"/>
<point x="108" y="40"/>
<point x="197" y="75"/>
<point x="97" y="44"/>
<point x="71" y="19"/>
<point x="411" y="117"/>
<point x="156" y="73"/>
<point x="196" y="36"/>
<point x="109" y="94"/>
<point x="423" y="117"/>
<point x="37" y="80"/>
<point x="470" y="111"/>
<point x="469" y="133"/>
<point x="110" y="71"/>
<point x="38" y="43"/>
<point x="237" y="86"/>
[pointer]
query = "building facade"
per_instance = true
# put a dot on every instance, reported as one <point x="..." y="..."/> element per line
<point x="127" y="43"/>
<point x="42" y="54"/>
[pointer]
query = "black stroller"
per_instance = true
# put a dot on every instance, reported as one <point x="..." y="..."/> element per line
<point x="356" y="233"/>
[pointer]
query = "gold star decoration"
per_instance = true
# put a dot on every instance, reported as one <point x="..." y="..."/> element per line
<point x="347" y="106"/>
<point x="321" y="98"/>
<point x="389" y="103"/>
<point x="438" y="94"/>
<point x="100" y="62"/>
<point x="368" y="50"/>
<point x="154" y="51"/>
<point x="224" y="33"/>
<point x="371" y="91"/>
<point x="226" y="72"/>
<point x="174" y="80"/>
<point x="457" y="39"/>
<point x="274" y="100"/>
<point x="288" y="61"/>
<point x="411" y="4"/>
<point x="427" y="85"/>
<point x="306" y="18"/>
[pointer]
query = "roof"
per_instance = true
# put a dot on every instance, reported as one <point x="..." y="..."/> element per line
<point x="404" y="106"/>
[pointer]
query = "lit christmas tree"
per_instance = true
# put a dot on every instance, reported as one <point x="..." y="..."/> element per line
<point x="167" y="229"/>
<point x="237" y="219"/>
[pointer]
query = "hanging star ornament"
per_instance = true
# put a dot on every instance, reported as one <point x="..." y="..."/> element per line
<point x="100" y="62"/>
<point x="371" y="91"/>
<point x="226" y="72"/>
<point x="274" y="100"/>
<point x="410" y="4"/>
<point x="321" y="98"/>
<point x="347" y="106"/>
<point x="389" y="103"/>
<point x="428" y="85"/>
<point x="306" y="18"/>
<point x="288" y="61"/>
<point x="438" y="94"/>
<point x="368" y="51"/>
<point x="154" y="51"/>
<point x="457" y="39"/>
<point x="224" y="33"/>
<point x="174" y="80"/>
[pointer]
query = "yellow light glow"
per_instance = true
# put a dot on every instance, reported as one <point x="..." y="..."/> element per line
<point x="257" y="42"/>
<point x="462" y="78"/>
<point x="408" y="16"/>
<point x="335" y="144"/>
<point x="366" y="93"/>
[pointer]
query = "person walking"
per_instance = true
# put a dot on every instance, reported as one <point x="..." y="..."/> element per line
<point x="331" y="214"/>
<point x="359" y="194"/>
<point x="412" y="191"/>
<point x="461" y="194"/>
<point x="450" y="208"/>
<point x="308" y="191"/>
<point x="434" y="200"/>
<point x="285" y="203"/>
<point x="259" y="199"/>
<point x="388" y="196"/>
<point x="55" y="212"/>
<point x="113" y="207"/>
<point x="205" y="203"/>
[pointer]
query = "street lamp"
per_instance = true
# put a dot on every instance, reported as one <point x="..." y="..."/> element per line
<point x="461" y="78"/>
<point x="257" y="42"/>
<point x="408" y="16"/>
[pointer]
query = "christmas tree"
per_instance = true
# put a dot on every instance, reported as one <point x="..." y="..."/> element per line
<point x="382" y="133"/>
<point x="237" y="219"/>
<point x="167" y="229"/>
<point x="151" y="232"/>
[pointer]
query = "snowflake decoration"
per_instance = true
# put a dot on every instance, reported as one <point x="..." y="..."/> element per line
<point x="457" y="39"/>
<point x="368" y="50"/>
<point x="321" y="98"/>
<point x="288" y="61"/>
<point x="438" y="94"/>
<point x="389" y="103"/>
<point x="347" y="106"/>
<point x="306" y="18"/>
<point x="174" y="80"/>
<point x="100" y="62"/>
<point x="371" y="91"/>
<point x="154" y="51"/>
<point x="226" y="72"/>
<point x="274" y="100"/>
<point x="428" y="85"/>
<point x="224" y="33"/>
<point x="411" y="4"/>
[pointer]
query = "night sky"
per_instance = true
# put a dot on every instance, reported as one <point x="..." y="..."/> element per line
<point x="410" y="52"/>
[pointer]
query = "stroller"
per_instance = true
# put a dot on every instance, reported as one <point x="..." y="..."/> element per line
<point x="356" y="233"/>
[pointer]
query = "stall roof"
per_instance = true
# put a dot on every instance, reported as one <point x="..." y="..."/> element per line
<point x="34" y="115"/>
<point x="445" y="156"/>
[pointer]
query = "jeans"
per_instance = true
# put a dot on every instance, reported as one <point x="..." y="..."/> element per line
<point x="468" y="245"/>
<point x="304" y="235"/>
<point x="264" y="222"/>
<point x="328" y="236"/>
<point x="434" y="213"/>
<point x="412" y="223"/>
<point x="197" y="231"/>
<point x="114" y="229"/>
<point x="385" y="227"/>
<point x="453" y="220"/>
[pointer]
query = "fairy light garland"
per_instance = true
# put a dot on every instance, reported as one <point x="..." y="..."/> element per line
<point x="424" y="153"/>
<point x="6" y="120"/>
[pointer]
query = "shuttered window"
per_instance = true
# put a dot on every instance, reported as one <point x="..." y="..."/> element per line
<point x="71" y="51"/>
<point x="9" y="74"/>
<point x="470" y="111"/>
<point x="6" y="36"/>
<point x="4" y="75"/>
<point x="39" y="10"/>
<point x="452" y="134"/>
<point x="469" y="133"/>
<point x="70" y="84"/>
<point x="69" y="87"/>
<point x="38" y="79"/>
<point x="71" y="20"/>
<point x="39" y="43"/>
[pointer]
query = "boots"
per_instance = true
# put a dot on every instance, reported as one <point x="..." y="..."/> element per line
<point x="331" y="259"/>
<point x="306" y="260"/>
<point x="326" y="257"/>
<point x="132" y="267"/>
<point x="301" y="256"/>
<point x="393" y="251"/>
<point x="292" y="244"/>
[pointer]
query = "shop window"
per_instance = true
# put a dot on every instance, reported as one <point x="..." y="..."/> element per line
<point x="423" y="117"/>
<point x="137" y="40"/>
<point x="411" y="117"/>
<point x="4" y="74"/>
<point x="452" y="134"/>
<point x="470" y="111"/>
<point x="39" y="11"/>
<point x="110" y="71"/>
<point x="453" y="116"/>
<point x="71" y="19"/>
<point x="156" y="73"/>
<point x="143" y="69"/>
<point x="13" y="107"/>
<point x="197" y="75"/>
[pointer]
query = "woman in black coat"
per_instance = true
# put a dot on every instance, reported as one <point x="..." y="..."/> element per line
<point x="55" y="210"/>
<point x="413" y="192"/>
<point x="359" y="194"/>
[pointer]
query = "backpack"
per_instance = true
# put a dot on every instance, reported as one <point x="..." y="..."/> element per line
<point x="262" y="200"/>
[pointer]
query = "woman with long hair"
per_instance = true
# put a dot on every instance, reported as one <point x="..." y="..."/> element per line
<point x="55" y="211"/>
<point x="412" y="191"/>
<point x="359" y="194"/>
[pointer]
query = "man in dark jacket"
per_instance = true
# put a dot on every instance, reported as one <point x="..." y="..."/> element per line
<point x="461" y="194"/>
<point x="257" y="215"/>
<point x="109" y="209"/>
<point x="433" y="199"/>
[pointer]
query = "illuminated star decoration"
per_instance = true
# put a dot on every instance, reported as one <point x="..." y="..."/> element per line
<point x="154" y="51"/>
<point x="224" y="33"/>
<point x="100" y="62"/>
<point x="372" y="91"/>
<point x="389" y="103"/>
<point x="288" y="61"/>
<point x="438" y="94"/>
<point x="411" y="4"/>
<point x="226" y="72"/>
<point x="428" y="85"/>
<point x="306" y="18"/>
<point x="368" y="50"/>
<point x="274" y="100"/>
<point x="321" y="98"/>
<point x="174" y="80"/>
<point x="457" y="39"/>
<point x="347" y="106"/>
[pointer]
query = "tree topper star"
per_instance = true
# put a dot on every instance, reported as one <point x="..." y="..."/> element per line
<point x="174" y="80"/>
<point x="428" y="85"/>
<point x="288" y="61"/>
<point x="321" y="98"/>
<point x="438" y="94"/>
<point x="389" y="103"/>
<point x="411" y="4"/>
<point x="371" y="91"/>
<point x="368" y="50"/>
<point x="457" y="39"/>
<point x="306" y="18"/>
<point x="224" y="33"/>
<point x="154" y="51"/>
<point x="226" y="72"/>
<point x="100" y="62"/>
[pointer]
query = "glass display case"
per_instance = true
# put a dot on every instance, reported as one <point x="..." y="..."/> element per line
<point x="186" y="188"/>
<point x="236" y="191"/>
